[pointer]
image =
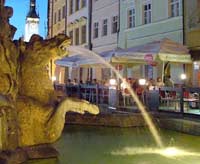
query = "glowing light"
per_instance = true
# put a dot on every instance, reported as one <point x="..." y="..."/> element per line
<point x="53" y="78"/>
<point x="183" y="76"/>
<point x="142" y="81"/>
<point x="113" y="82"/>
<point x="169" y="152"/>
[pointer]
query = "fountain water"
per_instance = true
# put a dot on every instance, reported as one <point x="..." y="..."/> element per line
<point x="170" y="152"/>
<point x="146" y="116"/>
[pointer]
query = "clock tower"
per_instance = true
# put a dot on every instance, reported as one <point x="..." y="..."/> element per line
<point x="32" y="22"/>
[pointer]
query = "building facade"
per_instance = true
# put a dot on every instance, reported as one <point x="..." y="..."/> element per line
<point x="192" y="36"/>
<point x="57" y="17"/>
<point x="145" y="21"/>
<point x="79" y="30"/>
<point x="105" y="25"/>
<point x="105" y="30"/>
<point x="71" y="18"/>
<point x="32" y="22"/>
<point x="77" y="21"/>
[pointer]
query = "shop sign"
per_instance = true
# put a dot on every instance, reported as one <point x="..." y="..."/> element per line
<point x="149" y="59"/>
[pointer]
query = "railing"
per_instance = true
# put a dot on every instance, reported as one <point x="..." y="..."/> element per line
<point x="182" y="100"/>
<point x="93" y="93"/>
<point x="178" y="100"/>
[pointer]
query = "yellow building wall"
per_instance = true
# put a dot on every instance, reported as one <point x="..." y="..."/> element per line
<point x="193" y="39"/>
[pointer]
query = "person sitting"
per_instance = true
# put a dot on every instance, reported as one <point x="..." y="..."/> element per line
<point x="159" y="83"/>
<point x="139" y="91"/>
<point x="169" y="82"/>
<point x="125" y="93"/>
<point x="151" y="84"/>
<point x="75" y="82"/>
<point x="94" y="82"/>
<point x="69" y="82"/>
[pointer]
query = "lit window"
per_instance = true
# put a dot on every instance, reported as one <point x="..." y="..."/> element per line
<point x="174" y="8"/>
<point x="105" y="27"/>
<point x="147" y="11"/>
<point x="96" y="29"/>
<point x="131" y="18"/>
<point x="114" y="24"/>
<point x="83" y="32"/>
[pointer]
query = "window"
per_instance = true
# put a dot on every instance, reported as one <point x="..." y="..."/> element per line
<point x="105" y="27"/>
<point x="198" y="7"/>
<point x="83" y="3"/>
<point x="55" y="19"/>
<point x="77" y="36"/>
<point x="96" y="29"/>
<point x="77" y="5"/>
<point x="131" y="18"/>
<point x="147" y="12"/>
<point x="70" y="7"/>
<point x="83" y="32"/>
<point x="63" y="12"/>
<point x="59" y="15"/>
<point x="71" y="36"/>
<point x="174" y="8"/>
<point x="114" y="24"/>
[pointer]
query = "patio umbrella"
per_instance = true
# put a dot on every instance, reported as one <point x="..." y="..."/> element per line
<point x="163" y="50"/>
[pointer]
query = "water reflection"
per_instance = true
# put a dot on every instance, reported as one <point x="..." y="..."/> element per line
<point x="169" y="152"/>
<point x="101" y="145"/>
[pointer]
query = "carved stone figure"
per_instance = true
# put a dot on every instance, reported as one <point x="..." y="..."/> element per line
<point x="28" y="113"/>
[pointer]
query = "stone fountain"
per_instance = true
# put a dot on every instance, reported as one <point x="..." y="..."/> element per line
<point x="29" y="114"/>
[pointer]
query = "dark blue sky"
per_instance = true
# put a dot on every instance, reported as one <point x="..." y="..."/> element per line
<point x="21" y="8"/>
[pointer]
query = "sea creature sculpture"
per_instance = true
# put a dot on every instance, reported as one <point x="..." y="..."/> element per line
<point x="29" y="114"/>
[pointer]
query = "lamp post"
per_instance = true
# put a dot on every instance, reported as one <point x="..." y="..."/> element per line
<point x="183" y="78"/>
<point x="112" y="99"/>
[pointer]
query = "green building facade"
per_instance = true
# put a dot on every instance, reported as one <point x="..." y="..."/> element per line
<point x="145" y="21"/>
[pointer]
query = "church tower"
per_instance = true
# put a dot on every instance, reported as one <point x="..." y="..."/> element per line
<point x="32" y="22"/>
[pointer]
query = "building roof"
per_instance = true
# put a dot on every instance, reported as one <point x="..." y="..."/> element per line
<point x="32" y="11"/>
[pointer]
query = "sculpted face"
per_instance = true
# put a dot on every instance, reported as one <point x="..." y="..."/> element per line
<point x="58" y="45"/>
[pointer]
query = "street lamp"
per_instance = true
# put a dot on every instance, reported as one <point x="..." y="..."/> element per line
<point x="142" y="81"/>
<point x="112" y="98"/>
<point x="53" y="78"/>
<point x="183" y="76"/>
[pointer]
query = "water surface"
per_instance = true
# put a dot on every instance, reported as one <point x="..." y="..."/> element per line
<point x="104" y="145"/>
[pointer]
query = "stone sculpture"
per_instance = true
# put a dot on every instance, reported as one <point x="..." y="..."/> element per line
<point x="28" y="113"/>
